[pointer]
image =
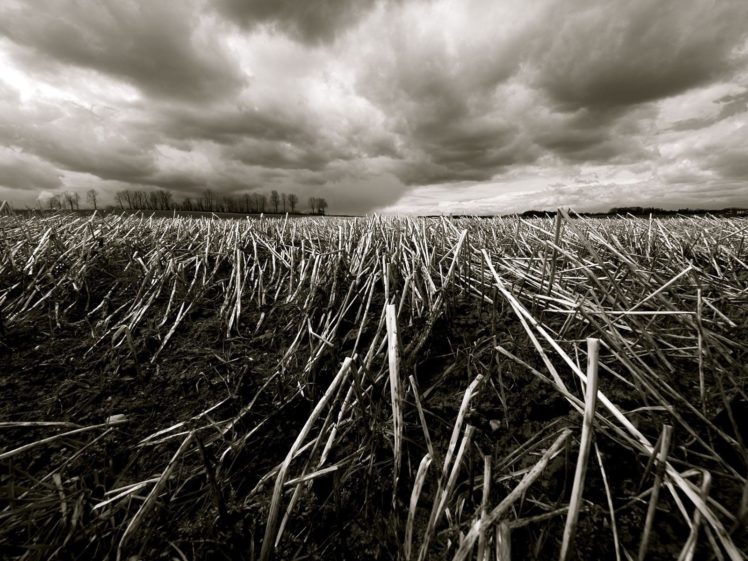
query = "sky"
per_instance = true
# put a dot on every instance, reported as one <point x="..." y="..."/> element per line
<point x="394" y="106"/>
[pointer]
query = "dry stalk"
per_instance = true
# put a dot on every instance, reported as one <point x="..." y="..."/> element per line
<point x="483" y="546"/>
<point x="577" y="490"/>
<point x="415" y="494"/>
<point x="662" y="455"/>
<point x="689" y="549"/>
<point x="472" y="536"/>
<point x="503" y="537"/>
<point x="272" y="523"/>
<point x="395" y="391"/>
<point x="152" y="496"/>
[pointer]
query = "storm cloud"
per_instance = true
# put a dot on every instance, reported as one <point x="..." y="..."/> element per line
<point x="311" y="21"/>
<point x="608" y="53"/>
<point x="408" y="105"/>
<point x="22" y="171"/>
<point x="156" y="46"/>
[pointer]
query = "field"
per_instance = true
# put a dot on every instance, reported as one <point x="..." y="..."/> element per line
<point x="373" y="388"/>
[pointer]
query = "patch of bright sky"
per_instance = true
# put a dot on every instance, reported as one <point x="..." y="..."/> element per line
<point x="532" y="188"/>
<point x="73" y="85"/>
<point x="698" y="103"/>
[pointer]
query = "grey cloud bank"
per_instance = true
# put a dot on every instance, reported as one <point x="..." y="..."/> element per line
<point x="404" y="106"/>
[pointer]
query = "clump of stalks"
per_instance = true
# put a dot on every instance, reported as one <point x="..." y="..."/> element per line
<point x="365" y="371"/>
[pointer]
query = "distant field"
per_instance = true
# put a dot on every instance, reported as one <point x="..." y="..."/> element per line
<point x="372" y="388"/>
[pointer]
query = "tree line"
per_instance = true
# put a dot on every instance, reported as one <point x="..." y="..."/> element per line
<point x="210" y="201"/>
<point x="72" y="200"/>
<point x="642" y="211"/>
<point x="207" y="201"/>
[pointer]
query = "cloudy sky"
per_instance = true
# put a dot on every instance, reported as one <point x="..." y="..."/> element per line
<point x="417" y="106"/>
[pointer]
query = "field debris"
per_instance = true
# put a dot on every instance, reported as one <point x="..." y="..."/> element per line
<point x="371" y="388"/>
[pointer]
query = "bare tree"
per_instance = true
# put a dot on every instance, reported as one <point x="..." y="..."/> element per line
<point x="126" y="199"/>
<point x="140" y="200"/>
<point x="284" y="198"/>
<point x="208" y="200"/>
<point x="54" y="202"/>
<point x="321" y="205"/>
<point x="293" y="200"/>
<point x="136" y="202"/>
<point x="69" y="199"/>
<point x="152" y="201"/>
<point x="230" y="204"/>
<point x="91" y="197"/>
<point x="164" y="199"/>
<point x="275" y="200"/>
<point x="313" y="204"/>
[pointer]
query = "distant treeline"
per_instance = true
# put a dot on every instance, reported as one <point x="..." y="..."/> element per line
<point x="643" y="211"/>
<point x="209" y="201"/>
<point x="646" y="211"/>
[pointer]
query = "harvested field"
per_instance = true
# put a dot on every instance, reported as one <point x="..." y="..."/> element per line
<point x="373" y="388"/>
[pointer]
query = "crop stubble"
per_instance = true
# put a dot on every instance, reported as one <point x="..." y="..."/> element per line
<point x="372" y="387"/>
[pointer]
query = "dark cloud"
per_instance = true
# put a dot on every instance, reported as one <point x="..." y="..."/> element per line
<point x="78" y="139"/>
<point x="22" y="171"/>
<point x="190" y="182"/>
<point x="586" y="67"/>
<point x="465" y="150"/>
<point x="228" y="124"/>
<point x="351" y="193"/>
<point x="278" y="155"/>
<point x="442" y="103"/>
<point x="154" y="45"/>
<point x="569" y="134"/>
<point x="414" y="173"/>
<point x="592" y="136"/>
<point x="469" y="141"/>
<point x="609" y="53"/>
<point x="730" y="164"/>
<point x="118" y="161"/>
<point x="272" y="134"/>
<point x="308" y="21"/>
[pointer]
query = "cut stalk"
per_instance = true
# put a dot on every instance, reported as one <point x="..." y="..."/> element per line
<point x="438" y="510"/>
<point x="609" y="498"/>
<point x="689" y="549"/>
<point x="153" y="495"/>
<point x="395" y="396"/>
<point x="590" y="404"/>
<point x="662" y="456"/>
<point x="483" y="552"/>
<point x="469" y="541"/>
<point x="415" y="494"/>
<point x="272" y="524"/>
<point x="503" y="542"/>
<point x="556" y="239"/>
